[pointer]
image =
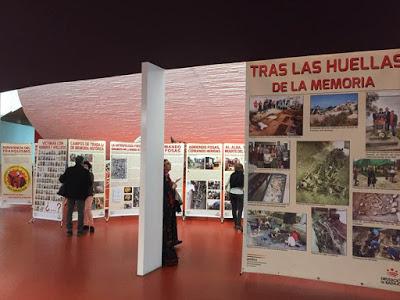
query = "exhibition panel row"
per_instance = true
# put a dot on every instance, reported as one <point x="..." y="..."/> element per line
<point x="199" y="170"/>
<point x="332" y="211"/>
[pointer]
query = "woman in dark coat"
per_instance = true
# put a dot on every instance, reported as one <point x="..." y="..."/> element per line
<point x="169" y="257"/>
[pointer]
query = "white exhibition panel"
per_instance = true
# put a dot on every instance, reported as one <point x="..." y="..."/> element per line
<point x="233" y="154"/>
<point x="203" y="180"/>
<point x="337" y="219"/>
<point x="95" y="153"/>
<point x="151" y="170"/>
<point x="51" y="162"/>
<point x="124" y="179"/>
<point x="175" y="153"/>
<point x="16" y="173"/>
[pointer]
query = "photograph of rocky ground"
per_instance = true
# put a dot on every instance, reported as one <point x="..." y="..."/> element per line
<point x="335" y="110"/>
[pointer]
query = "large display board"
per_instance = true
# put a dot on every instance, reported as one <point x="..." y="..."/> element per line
<point x="233" y="154"/>
<point x="16" y="173"/>
<point x="51" y="161"/>
<point x="95" y="153"/>
<point x="203" y="180"/>
<point x="124" y="179"/>
<point x="175" y="153"/>
<point x="332" y="211"/>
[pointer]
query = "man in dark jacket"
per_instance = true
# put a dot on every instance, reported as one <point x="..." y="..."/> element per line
<point x="77" y="181"/>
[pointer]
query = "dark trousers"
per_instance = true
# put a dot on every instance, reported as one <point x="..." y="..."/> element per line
<point x="80" y="205"/>
<point x="237" y="207"/>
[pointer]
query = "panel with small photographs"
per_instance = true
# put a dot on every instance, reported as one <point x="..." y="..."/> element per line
<point x="51" y="162"/>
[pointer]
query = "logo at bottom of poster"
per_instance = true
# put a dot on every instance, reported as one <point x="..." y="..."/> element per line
<point x="391" y="277"/>
<point x="16" y="179"/>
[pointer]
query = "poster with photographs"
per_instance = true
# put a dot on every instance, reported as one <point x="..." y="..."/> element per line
<point x="51" y="162"/>
<point x="16" y="173"/>
<point x="124" y="179"/>
<point x="323" y="141"/>
<point x="95" y="153"/>
<point x="175" y="153"/>
<point x="233" y="154"/>
<point x="203" y="180"/>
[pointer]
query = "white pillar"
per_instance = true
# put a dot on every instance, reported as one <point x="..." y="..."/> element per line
<point x="151" y="169"/>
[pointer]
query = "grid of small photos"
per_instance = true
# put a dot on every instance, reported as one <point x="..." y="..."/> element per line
<point x="131" y="197"/>
<point x="51" y="163"/>
<point x="324" y="176"/>
<point x="213" y="194"/>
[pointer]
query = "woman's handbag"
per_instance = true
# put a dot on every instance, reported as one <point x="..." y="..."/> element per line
<point x="62" y="191"/>
<point x="178" y="202"/>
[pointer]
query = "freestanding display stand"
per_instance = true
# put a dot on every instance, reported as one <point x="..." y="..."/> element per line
<point x="332" y="211"/>
<point x="51" y="161"/>
<point x="203" y="180"/>
<point x="95" y="153"/>
<point x="16" y="173"/>
<point x="233" y="154"/>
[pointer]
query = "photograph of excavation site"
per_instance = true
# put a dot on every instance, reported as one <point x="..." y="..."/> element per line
<point x="381" y="208"/>
<point x="334" y="110"/>
<point x="268" y="188"/>
<point x="322" y="175"/>
<point x="378" y="243"/>
<point x="276" y="116"/>
<point x="277" y="230"/>
<point x="329" y="231"/>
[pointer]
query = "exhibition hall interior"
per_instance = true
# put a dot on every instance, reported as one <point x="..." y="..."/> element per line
<point x="199" y="151"/>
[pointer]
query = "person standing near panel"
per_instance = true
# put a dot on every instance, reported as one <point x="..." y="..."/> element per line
<point x="88" y="216"/>
<point x="170" y="235"/>
<point x="236" y="184"/>
<point x="77" y="181"/>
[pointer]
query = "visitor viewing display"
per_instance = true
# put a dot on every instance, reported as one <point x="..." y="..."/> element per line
<point x="95" y="153"/>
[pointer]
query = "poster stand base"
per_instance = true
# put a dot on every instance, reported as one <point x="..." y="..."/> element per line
<point x="31" y="221"/>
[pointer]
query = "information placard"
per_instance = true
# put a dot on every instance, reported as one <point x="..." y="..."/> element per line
<point x="175" y="153"/>
<point x="95" y="153"/>
<point x="203" y="180"/>
<point x="124" y="178"/>
<point x="51" y="162"/>
<point x="331" y="211"/>
<point x="16" y="173"/>
<point x="233" y="154"/>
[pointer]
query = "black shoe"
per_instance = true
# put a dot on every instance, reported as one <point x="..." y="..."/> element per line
<point x="81" y="233"/>
<point x="69" y="233"/>
<point x="91" y="229"/>
<point x="177" y="242"/>
<point x="85" y="227"/>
